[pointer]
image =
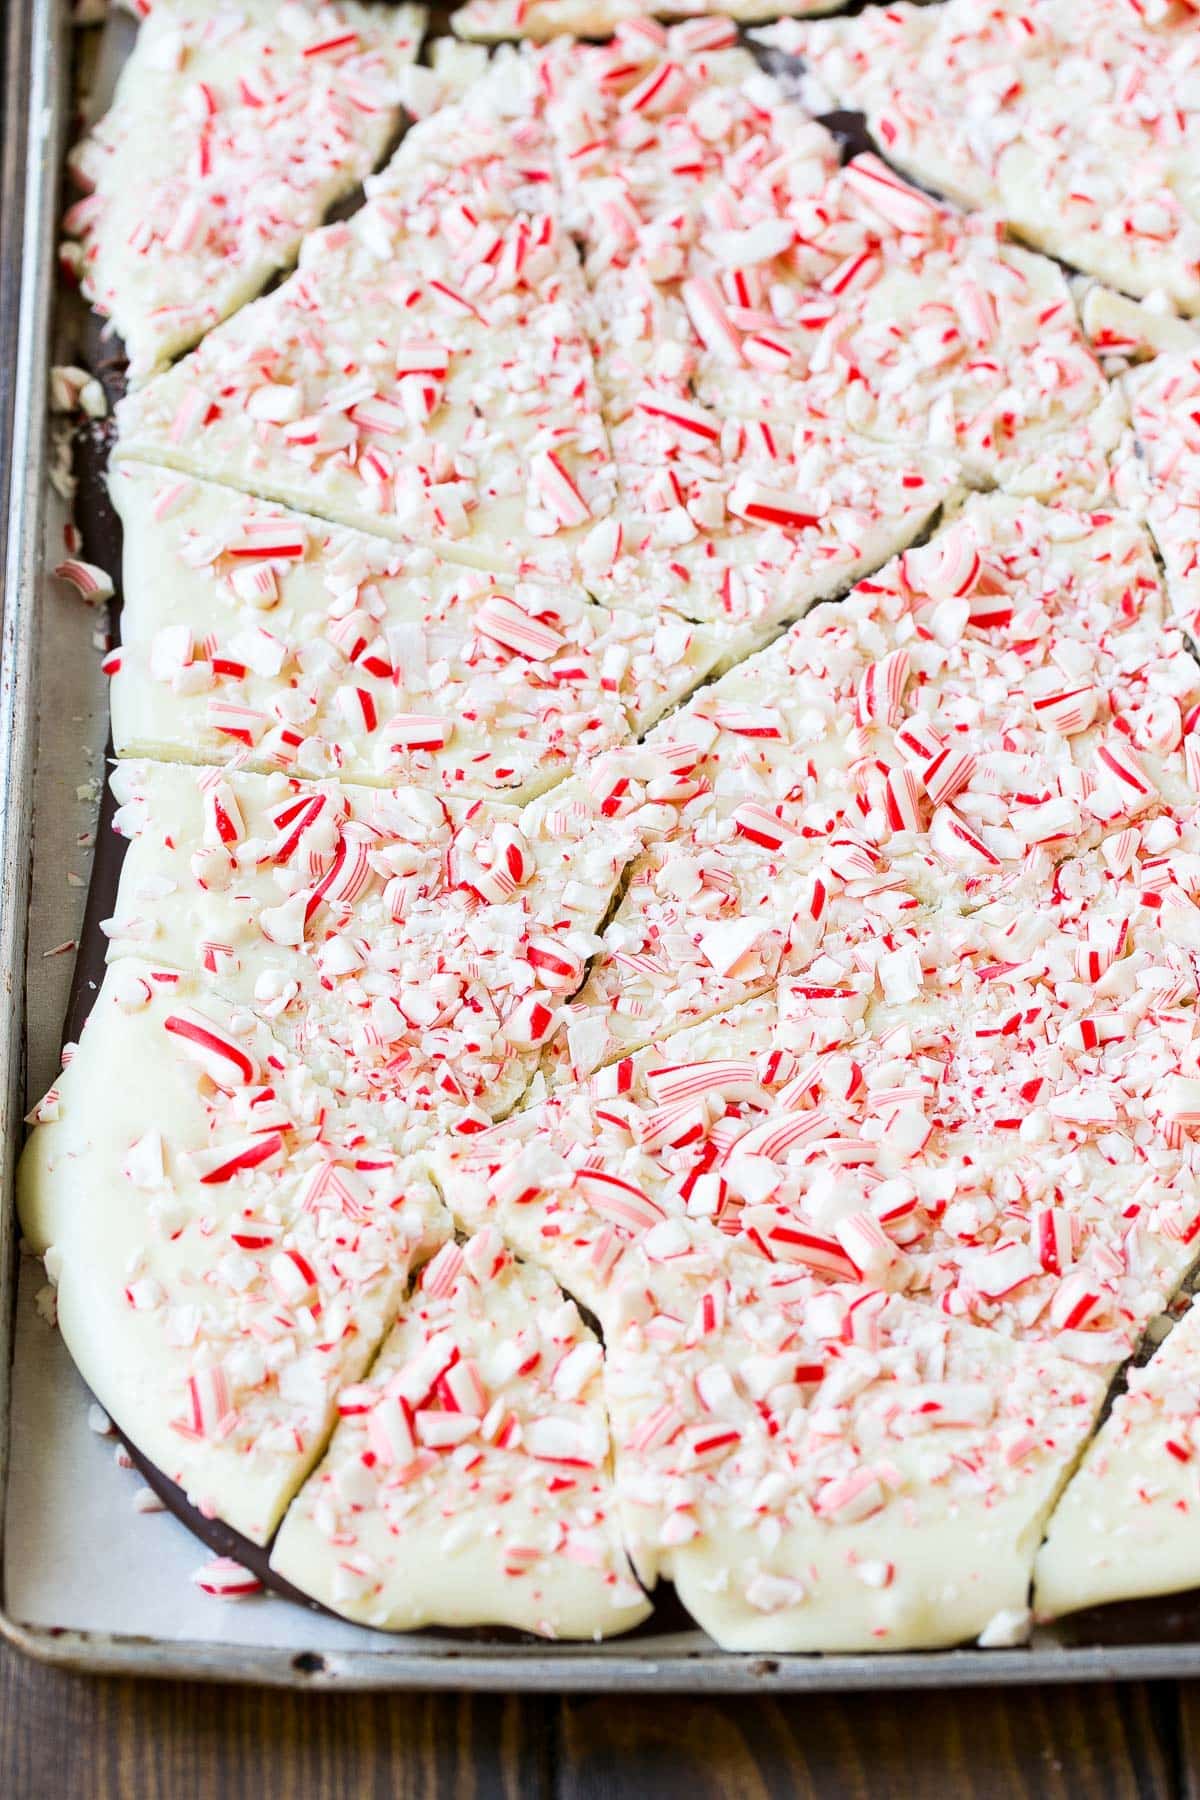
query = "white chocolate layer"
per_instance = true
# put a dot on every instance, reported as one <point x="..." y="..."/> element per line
<point x="985" y="705"/>
<point x="1038" y="109"/>
<point x="233" y="129"/>
<point x="1128" y="1523"/>
<point x="1120" y="327"/>
<point x="229" y="1245"/>
<point x="252" y="631"/>
<point x="981" y="1113"/>
<point x="469" y="1481"/>
<point x="809" y="1487"/>
<point x="414" y="951"/>
<point x="1164" y="403"/>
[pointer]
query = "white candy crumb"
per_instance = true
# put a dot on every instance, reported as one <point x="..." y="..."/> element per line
<point x="1006" y="1629"/>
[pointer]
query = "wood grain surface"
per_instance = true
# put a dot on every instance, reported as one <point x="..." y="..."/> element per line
<point x="67" y="1737"/>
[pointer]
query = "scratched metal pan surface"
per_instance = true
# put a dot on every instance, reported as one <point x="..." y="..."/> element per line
<point x="1142" y="1640"/>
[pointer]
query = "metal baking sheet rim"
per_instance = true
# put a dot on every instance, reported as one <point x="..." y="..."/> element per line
<point x="34" y="134"/>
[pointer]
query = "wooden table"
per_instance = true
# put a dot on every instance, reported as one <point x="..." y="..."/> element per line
<point x="65" y="1737"/>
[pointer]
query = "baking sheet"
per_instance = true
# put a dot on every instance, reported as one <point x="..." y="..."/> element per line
<point x="80" y="1560"/>
<point x="87" y="1579"/>
<point x="78" y="1555"/>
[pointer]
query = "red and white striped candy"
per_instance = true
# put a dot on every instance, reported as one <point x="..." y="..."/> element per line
<point x="335" y="1185"/>
<point x="556" y="966"/>
<point x="695" y="35"/>
<point x="245" y="724"/>
<point x="871" y="1250"/>
<point x="560" y="1439"/>
<point x="444" y="1430"/>
<point x="390" y="1434"/>
<point x="710" y="1315"/>
<point x="557" y="491"/>
<point x="732" y="1078"/>
<point x="209" y="1401"/>
<point x="673" y="1125"/>
<point x="613" y="1081"/>
<point x="656" y="1430"/>
<point x="89" y="581"/>
<point x="977" y="310"/>
<point x="1095" y="1030"/>
<point x="419" y="731"/>
<point x="1121" y="763"/>
<point x="761" y="826"/>
<point x="1078" y="1301"/>
<point x="1002" y="1270"/>
<point x="223" y="819"/>
<point x="881" y="689"/>
<point x="761" y="505"/>
<point x="767" y="350"/>
<point x="530" y="1023"/>
<point x="918" y="737"/>
<point x="222" y="1058"/>
<point x="257" y="583"/>
<point x="423" y="356"/>
<point x="1050" y="1232"/>
<point x="1068" y="711"/>
<point x="293" y="1278"/>
<point x="800" y="1244"/>
<point x="226" y="1579"/>
<point x="1191" y="758"/>
<point x="216" y="1164"/>
<point x="512" y="864"/>
<point x="509" y="625"/>
<point x="853" y="274"/>
<point x="946" y="568"/>
<point x="621" y="1202"/>
<point x="851" y="1498"/>
<point x="1181" y="1101"/>
<point x="442" y="1271"/>
<point x="774" y="1136"/>
<point x="357" y="706"/>
<point x="706" y="310"/>
<point x="902" y="800"/>
<point x="268" y="540"/>
<point x="948" y="773"/>
<point x="705" y="1444"/>
<point x="894" y="1208"/>
<point x="660" y="92"/>
<point x="356" y="1400"/>
<point x="461" y="1389"/>
<point x="1091" y="961"/>
<point x="742" y="721"/>
<point x="953" y="841"/>
<point x="684" y="416"/>
<point x="348" y="878"/>
<point x="889" y="196"/>
<point x="292" y="822"/>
